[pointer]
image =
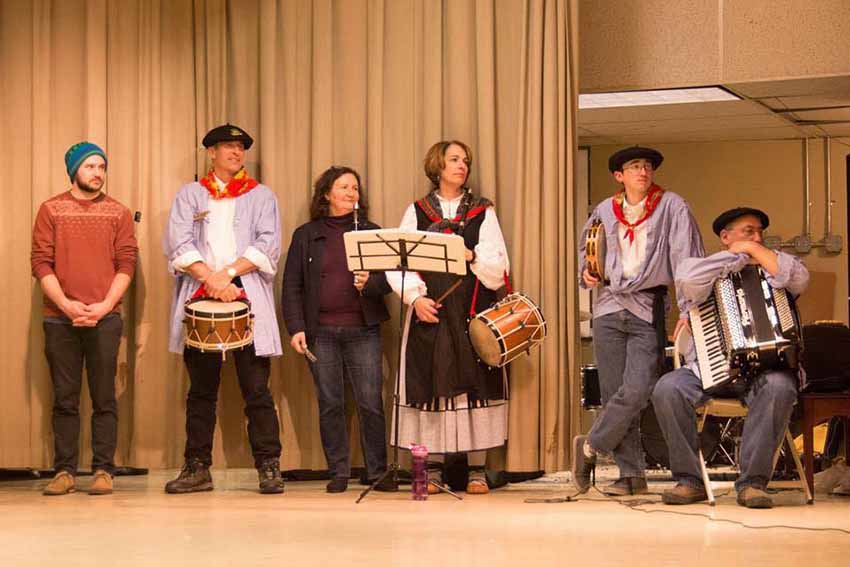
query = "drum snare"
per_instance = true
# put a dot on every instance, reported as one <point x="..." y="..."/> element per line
<point x="506" y="330"/>
<point x="218" y="326"/>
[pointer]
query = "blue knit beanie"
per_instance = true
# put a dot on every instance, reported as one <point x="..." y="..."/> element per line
<point x="77" y="154"/>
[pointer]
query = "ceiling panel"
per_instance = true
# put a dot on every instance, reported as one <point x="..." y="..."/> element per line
<point x="837" y="130"/>
<point x="688" y="125"/>
<point x="831" y="114"/>
<point x="708" y="135"/>
<point x="668" y="112"/>
<point x="825" y="86"/>
<point x="814" y="101"/>
<point x="734" y="120"/>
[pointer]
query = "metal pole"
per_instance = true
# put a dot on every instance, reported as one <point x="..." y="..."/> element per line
<point x="828" y="160"/>
<point x="807" y="224"/>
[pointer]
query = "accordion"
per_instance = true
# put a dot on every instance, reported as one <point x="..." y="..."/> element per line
<point x="743" y="329"/>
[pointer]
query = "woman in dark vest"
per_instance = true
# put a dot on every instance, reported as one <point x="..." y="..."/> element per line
<point x="450" y="402"/>
<point x="337" y="314"/>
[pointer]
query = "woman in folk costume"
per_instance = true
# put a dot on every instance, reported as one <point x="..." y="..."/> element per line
<point x="649" y="232"/>
<point x="450" y="402"/>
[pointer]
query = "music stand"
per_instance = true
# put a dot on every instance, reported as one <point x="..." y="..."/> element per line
<point x="402" y="251"/>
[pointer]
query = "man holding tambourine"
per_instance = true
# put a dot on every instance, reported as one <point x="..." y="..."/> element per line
<point x="648" y="231"/>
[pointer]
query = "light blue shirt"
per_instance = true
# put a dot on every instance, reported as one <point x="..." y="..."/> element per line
<point x="256" y="224"/>
<point x="672" y="235"/>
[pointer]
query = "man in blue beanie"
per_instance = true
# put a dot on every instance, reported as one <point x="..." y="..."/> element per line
<point x="83" y="256"/>
<point x="80" y="152"/>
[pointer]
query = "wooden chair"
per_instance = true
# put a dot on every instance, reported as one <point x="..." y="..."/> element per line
<point x="818" y="408"/>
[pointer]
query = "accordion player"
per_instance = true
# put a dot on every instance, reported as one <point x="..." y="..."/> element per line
<point x="744" y="328"/>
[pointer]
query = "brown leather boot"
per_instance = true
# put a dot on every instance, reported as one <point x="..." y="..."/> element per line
<point x="626" y="486"/>
<point x="194" y="477"/>
<point x="753" y="497"/>
<point x="102" y="483"/>
<point x="684" y="494"/>
<point x="62" y="483"/>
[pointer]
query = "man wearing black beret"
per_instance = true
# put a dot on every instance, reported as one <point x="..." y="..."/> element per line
<point x="770" y="396"/>
<point x="223" y="242"/>
<point x="648" y="231"/>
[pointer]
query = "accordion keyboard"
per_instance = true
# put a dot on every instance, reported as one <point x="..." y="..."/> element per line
<point x="708" y="340"/>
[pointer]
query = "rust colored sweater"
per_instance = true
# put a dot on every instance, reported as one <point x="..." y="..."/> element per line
<point x="84" y="244"/>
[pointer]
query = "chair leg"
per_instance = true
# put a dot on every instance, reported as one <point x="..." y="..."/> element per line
<point x="804" y="483"/>
<point x="808" y="445"/>
<point x="705" y="480"/>
<point x="845" y="429"/>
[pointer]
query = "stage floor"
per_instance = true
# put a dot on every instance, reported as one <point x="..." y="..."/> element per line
<point x="234" y="525"/>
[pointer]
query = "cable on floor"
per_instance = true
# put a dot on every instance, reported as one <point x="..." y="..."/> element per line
<point x="635" y="504"/>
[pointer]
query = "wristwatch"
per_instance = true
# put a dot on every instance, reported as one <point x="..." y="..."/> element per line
<point x="231" y="272"/>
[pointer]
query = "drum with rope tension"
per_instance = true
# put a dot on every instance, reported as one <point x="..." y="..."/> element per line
<point x="218" y="326"/>
<point x="509" y="328"/>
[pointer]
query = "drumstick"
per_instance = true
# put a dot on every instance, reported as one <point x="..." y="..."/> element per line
<point x="449" y="291"/>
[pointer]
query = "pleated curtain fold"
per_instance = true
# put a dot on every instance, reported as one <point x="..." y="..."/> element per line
<point x="366" y="83"/>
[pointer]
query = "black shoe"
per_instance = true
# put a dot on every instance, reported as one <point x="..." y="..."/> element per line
<point x="753" y="497"/>
<point x="387" y="484"/>
<point x="337" y="485"/>
<point x="194" y="477"/>
<point x="270" y="480"/>
<point x="626" y="486"/>
<point x="582" y="465"/>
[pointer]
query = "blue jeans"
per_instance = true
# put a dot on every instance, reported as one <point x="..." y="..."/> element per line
<point x="353" y="354"/>
<point x="626" y="349"/>
<point x="770" y="401"/>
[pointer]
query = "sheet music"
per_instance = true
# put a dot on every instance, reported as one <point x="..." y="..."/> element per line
<point x="380" y="250"/>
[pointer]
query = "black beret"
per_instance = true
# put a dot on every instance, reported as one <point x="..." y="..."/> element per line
<point x="618" y="159"/>
<point x="227" y="133"/>
<point x="724" y="219"/>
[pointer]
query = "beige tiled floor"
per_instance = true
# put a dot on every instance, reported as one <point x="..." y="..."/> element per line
<point x="235" y="526"/>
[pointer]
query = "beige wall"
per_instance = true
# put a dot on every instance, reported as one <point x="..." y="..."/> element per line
<point x="715" y="176"/>
<point x="663" y="43"/>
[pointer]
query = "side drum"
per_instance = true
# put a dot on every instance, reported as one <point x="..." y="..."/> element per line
<point x="508" y="329"/>
<point x="219" y="326"/>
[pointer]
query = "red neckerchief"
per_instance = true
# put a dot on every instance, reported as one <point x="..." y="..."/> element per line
<point x="653" y="197"/>
<point x="239" y="184"/>
<point x="434" y="216"/>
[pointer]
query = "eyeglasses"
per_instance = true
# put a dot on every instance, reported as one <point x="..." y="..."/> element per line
<point x="637" y="166"/>
<point x="749" y="231"/>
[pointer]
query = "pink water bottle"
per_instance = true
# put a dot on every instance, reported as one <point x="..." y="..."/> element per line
<point x="420" y="472"/>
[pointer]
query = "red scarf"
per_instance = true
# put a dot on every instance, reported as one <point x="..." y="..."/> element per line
<point x="240" y="184"/>
<point x="653" y="197"/>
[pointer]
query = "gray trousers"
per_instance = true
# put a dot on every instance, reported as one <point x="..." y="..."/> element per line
<point x="770" y="401"/>
<point x="626" y="351"/>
